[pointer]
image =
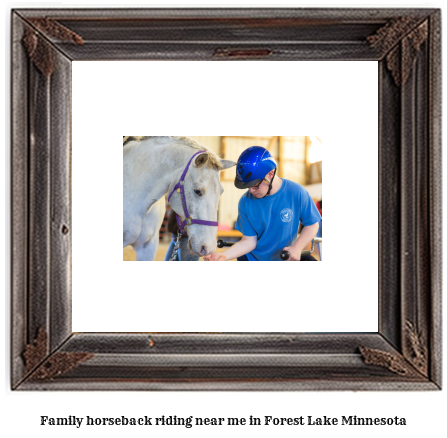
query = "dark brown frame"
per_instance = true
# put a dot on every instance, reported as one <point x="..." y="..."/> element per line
<point x="405" y="354"/>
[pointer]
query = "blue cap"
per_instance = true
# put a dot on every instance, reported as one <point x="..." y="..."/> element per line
<point x="252" y="167"/>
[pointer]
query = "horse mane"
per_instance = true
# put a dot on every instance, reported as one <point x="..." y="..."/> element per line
<point x="213" y="158"/>
<point x="128" y="138"/>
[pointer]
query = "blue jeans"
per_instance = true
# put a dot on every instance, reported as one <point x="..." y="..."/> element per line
<point x="187" y="257"/>
<point x="170" y="251"/>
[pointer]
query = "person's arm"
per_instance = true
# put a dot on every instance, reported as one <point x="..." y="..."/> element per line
<point x="306" y="236"/>
<point x="244" y="246"/>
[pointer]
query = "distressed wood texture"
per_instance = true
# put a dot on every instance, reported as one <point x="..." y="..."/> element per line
<point x="405" y="354"/>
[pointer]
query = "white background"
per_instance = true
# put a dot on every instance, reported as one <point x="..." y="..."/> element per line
<point x="173" y="98"/>
<point x="425" y="412"/>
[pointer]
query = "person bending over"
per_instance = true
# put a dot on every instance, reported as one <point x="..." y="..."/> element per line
<point x="269" y="213"/>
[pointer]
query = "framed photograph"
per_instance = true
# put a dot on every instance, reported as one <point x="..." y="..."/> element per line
<point x="52" y="351"/>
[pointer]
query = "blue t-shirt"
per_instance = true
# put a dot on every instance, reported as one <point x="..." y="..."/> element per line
<point x="275" y="219"/>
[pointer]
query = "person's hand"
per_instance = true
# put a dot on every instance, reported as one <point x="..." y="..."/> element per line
<point x="215" y="257"/>
<point x="294" y="254"/>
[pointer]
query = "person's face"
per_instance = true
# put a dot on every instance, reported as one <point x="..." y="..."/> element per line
<point x="261" y="189"/>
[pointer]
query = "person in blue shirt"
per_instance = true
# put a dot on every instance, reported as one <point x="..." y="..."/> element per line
<point x="270" y="212"/>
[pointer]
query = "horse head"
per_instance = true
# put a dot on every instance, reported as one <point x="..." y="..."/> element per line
<point x="202" y="190"/>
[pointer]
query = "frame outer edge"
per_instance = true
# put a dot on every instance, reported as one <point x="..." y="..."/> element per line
<point x="32" y="191"/>
<point x="39" y="203"/>
<point x="435" y="138"/>
<point x="19" y="199"/>
<point x="227" y="386"/>
<point x="350" y="13"/>
<point x="409" y="196"/>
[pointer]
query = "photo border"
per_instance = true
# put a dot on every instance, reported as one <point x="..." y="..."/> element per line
<point x="405" y="353"/>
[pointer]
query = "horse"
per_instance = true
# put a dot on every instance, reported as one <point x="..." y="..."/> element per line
<point x="156" y="166"/>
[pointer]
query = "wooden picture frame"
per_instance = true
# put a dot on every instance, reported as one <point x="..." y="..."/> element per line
<point x="405" y="353"/>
